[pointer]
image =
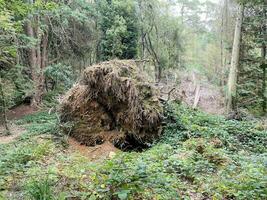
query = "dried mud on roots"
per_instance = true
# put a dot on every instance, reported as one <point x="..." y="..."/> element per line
<point x="113" y="102"/>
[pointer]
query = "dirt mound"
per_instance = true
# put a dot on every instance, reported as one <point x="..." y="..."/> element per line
<point x="113" y="102"/>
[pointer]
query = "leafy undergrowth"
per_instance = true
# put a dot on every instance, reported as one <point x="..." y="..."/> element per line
<point x="199" y="157"/>
<point x="184" y="123"/>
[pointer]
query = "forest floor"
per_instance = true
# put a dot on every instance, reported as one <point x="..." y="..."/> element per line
<point x="15" y="130"/>
<point x="200" y="156"/>
<point x="195" y="89"/>
<point x="211" y="99"/>
<point x="99" y="152"/>
<point x="20" y="111"/>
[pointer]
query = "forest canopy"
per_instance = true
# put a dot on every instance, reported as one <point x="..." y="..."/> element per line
<point x="46" y="44"/>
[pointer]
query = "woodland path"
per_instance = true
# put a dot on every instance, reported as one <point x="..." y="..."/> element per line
<point x="195" y="91"/>
<point x="16" y="130"/>
<point x="210" y="99"/>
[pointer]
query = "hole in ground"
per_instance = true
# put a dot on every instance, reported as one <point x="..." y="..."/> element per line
<point x="131" y="144"/>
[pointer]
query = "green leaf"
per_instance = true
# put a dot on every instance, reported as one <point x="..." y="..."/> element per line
<point x="123" y="194"/>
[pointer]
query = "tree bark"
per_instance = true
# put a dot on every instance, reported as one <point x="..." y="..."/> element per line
<point x="4" y="115"/>
<point x="222" y="45"/>
<point x="150" y="48"/>
<point x="34" y="54"/>
<point x="38" y="58"/>
<point x="232" y="79"/>
<point x="263" y="55"/>
<point x="32" y="51"/>
<point x="264" y="102"/>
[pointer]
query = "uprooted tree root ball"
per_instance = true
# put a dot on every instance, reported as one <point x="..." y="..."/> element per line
<point x="113" y="102"/>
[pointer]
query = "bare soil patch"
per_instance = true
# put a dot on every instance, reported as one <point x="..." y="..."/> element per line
<point x="15" y="130"/>
<point x="20" y="111"/>
<point x="98" y="152"/>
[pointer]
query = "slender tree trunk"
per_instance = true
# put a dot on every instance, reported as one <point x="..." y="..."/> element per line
<point x="182" y="14"/>
<point x="227" y="37"/>
<point x="4" y="115"/>
<point x="232" y="79"/>
<point x="263" y="55"/>
<point x="42" y="63"/>
<point x="143" y="44"/>
<point x="222" y="49"/>
<point x="264" y="102"/>
<point x="38" y="82"/>
<point x="224" y="30"/>
<point x="150" y="48"/>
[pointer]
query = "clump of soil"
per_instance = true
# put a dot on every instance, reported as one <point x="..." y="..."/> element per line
<point x="113" y="102"/>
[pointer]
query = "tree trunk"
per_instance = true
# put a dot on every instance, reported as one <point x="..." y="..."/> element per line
<point x="34" y="54"/>
<point x="182" y="14"/>
<point x="222" y="45"/>
<point x="263" y="55"/>
<point x="38" y="59"/>
<point x="38" y="82"/>
<point x="4" y="116"/>
<point x="232" y="79"/>
<point x="150" y="48"/>
<point x="224" y="25"/>
<point x="264" y="102"/>
<point x="32" y="51"/>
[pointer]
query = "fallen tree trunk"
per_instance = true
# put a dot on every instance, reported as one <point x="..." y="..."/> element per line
<point x="112" y="102"/>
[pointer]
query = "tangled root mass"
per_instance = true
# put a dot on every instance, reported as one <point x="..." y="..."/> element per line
<point x="113" y="102"/>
